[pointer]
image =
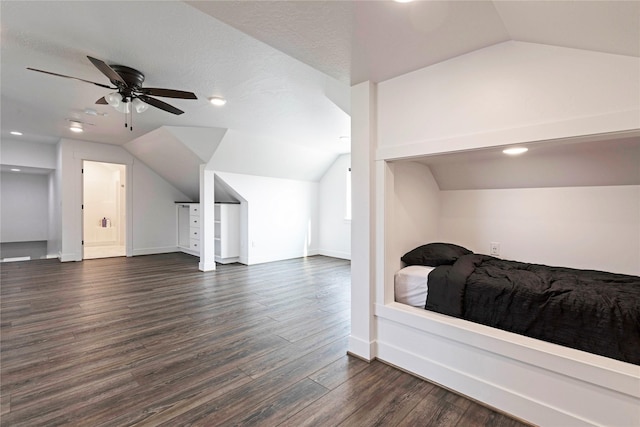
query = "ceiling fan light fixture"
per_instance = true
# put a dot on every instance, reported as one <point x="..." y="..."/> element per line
<point x="140" y="106"/>
<point x="124" y="107"/>
<point x="218" y="101"/>
<point x="114" y="99"/>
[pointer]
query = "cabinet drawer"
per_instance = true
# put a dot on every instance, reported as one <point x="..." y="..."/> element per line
<point x="194" y="233"/>
<point x="194" y="221"/>
<point x="194" y="210"/>
<point x="195" y="245"/>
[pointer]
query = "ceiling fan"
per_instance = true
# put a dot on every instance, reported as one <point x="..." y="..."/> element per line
<point x="129" y="91"/>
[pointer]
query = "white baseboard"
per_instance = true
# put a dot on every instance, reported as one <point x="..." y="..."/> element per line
<point x="335" y="254"/>
<point x="362" y="349"/>
<point x="499" y="398"/>
<point x="206" y="266"/>
<point x="278" y="257"/>
<point x="69" y="257"/>
<point x="153" y="251"/>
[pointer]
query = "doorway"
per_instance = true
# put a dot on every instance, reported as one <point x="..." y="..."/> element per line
<point x="104" y="210"/>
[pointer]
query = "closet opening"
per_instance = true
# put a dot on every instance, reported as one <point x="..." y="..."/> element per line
<point x="103" y="210"/>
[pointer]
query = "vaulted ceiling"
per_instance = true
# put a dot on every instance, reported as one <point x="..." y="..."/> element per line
<point x="285" y="67"/>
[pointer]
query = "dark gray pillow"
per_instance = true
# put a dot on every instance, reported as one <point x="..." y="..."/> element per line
<point x="435" y="254"/>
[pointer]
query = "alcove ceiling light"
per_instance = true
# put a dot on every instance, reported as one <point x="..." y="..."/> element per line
<point x="514" y="151"/>
<point x="16" y="133"/>
<point x="218" y="101"/>
<point x="15" y="170"/>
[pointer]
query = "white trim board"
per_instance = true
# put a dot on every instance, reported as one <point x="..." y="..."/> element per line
<point x="533" y="380"/>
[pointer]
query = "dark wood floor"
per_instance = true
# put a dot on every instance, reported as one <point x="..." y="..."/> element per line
<point x="153" y="341"/>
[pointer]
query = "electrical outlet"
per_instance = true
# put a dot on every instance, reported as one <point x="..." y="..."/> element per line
<point x="494" y="249"/>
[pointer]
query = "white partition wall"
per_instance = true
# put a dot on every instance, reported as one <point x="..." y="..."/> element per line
<point x="505" y="94"/>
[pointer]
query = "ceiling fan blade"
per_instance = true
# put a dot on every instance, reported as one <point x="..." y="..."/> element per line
<point x="102" y="101"/>
<point x="106" y="70"/>
<point x="69" y="77"/>
<point x="168" y="93"/>
<point x="160" y="104"/>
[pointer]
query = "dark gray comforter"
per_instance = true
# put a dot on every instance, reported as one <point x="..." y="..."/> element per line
<point x="594" y="311"/>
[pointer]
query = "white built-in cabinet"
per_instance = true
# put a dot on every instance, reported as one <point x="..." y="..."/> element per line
<point x="227" y="232"/>
<point x="188" y="223"/>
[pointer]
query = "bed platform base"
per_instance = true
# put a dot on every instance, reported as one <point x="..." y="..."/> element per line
<point x="539" y="382"/>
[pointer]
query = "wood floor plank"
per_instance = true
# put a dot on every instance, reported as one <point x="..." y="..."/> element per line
<point x="151" y="341"/>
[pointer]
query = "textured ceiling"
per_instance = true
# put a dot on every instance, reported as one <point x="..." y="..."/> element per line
<point x="275" y="61"/>
<point x="176" y="46"/>
<point x="378" y="40"/>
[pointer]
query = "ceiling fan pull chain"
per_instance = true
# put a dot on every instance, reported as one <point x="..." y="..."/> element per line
<point x="131" y="128"/>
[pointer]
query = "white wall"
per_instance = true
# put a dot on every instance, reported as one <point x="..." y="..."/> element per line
<point x="282" y="217"/>
<point x="248" y="154"/>
<point x="24" y="202"/>
<point x="510" y="92"/>
<point x="334" y="228"/>
<point x="151" y="217"/>
<point x="595" y="228"/>
<point x="28" y="154"/>
<point x="579" y="227"/>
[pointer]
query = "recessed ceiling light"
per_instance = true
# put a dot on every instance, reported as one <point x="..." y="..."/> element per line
<point x="15" y="132"/>
<point x="15" y="170"/>
<point x="75" y="127"/>
<point x="514" y="151"/>
<point x="403" y="1"/>
<point x="217" y="101"/>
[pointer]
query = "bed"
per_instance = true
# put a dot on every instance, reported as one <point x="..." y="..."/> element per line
<point x="588" y="310"/>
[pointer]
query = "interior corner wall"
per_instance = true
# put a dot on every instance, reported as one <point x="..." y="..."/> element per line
<point x="52" y="228"/>
<point x="24" y="201"/>
<point x="595" y="228"/>
<point x="334" y="228"/>
<point x="282" y="216"/>
<point x="416" y="205"/>
<point x="54" y="241"/>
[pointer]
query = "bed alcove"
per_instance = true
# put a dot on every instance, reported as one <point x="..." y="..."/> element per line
<point x="573" y="203"/>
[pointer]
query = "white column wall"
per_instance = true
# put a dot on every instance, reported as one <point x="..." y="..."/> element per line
<point x="363" y="237"/>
